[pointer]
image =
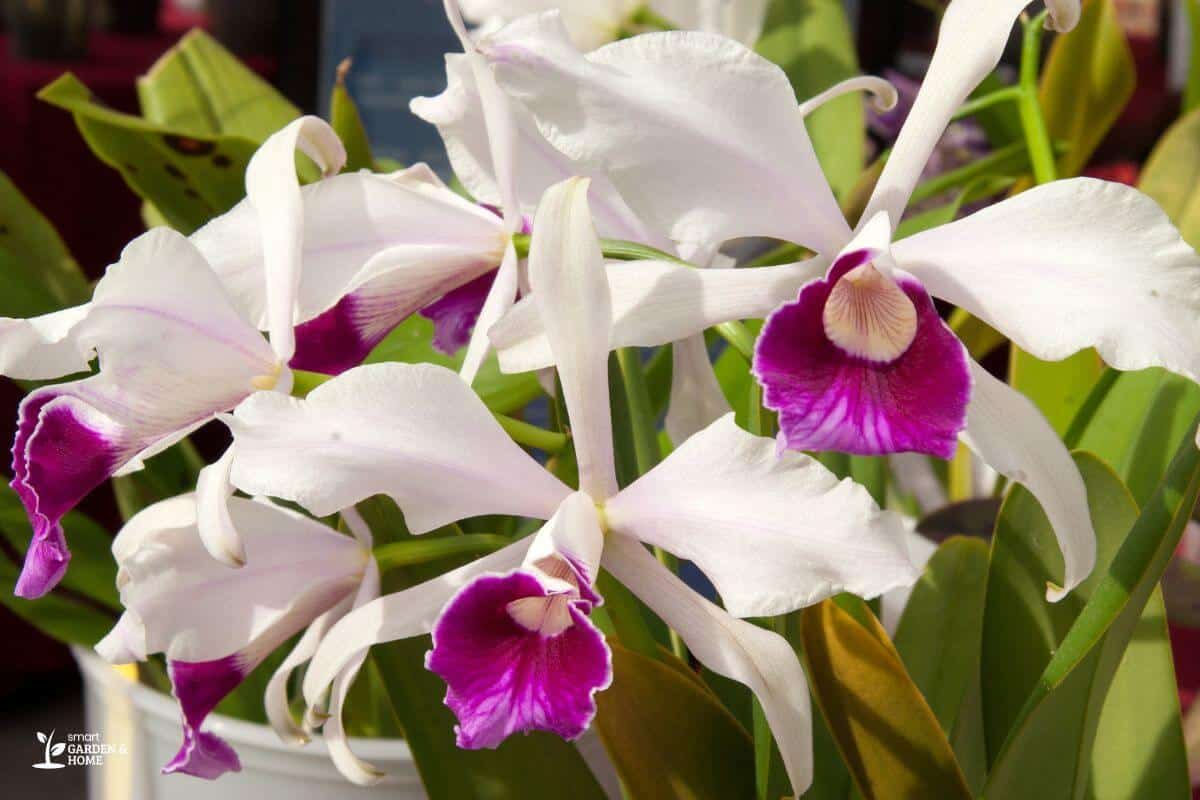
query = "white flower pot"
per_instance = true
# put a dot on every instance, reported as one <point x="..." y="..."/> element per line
<point x="146" y="724"/>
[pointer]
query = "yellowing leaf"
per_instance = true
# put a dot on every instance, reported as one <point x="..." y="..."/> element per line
<point x="886" y="732"/>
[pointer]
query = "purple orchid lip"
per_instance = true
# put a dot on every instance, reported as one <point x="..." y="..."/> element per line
<point x="510" y="667"/>
<point x="200" y="686"/>
<point x="831" y="399"/>
<point x="454" y="313"/>
<point x="58" y="458"/>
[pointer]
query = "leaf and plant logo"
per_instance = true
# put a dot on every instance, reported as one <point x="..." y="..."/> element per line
<point x="51" y="751"/>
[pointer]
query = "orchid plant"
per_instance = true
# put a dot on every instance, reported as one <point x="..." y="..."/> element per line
<point x="440" y="495"/>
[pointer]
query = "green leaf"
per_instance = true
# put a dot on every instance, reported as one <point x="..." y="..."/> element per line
<point x="57" y="615"/>
<point x="886" y="732"/>
<point x="641" y="719"/>
<point x="37" y="273"/>
<point x="347" y="122"/>
<point x="1191" y="95"/>
<point x="537" y="766"/>
<point x="939" y="639"/>
<point x="412" y="343"/>
<point x="189" y="178"/>
<point x="1088" y="78"/>
<point x="812" y="41"/>
<point x="1172" y="175"/>
<point x="1058" y="388"/>
<point x="200" y="88"/>
<point x="1138" y="424"/>
<point x="1055" y="663"/>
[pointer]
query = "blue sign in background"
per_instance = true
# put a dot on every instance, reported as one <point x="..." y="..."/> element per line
<point x="397" y="47"/>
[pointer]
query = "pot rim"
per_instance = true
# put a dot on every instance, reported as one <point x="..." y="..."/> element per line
<point x="254" y="734"/>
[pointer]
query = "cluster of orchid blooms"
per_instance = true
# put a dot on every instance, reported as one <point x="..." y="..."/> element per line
<point x="681" y="140"/>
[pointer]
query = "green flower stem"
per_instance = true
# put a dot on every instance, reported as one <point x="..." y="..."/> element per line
<point x="645" y="446"/>
<point x="409" y="552"/>
<point x="1008" y="159"/>
<point x="531" y="435"/>
<point x="739" y="337"/>
<point x="972" y="107"/>
<point x="1037" y="137"/>
<point x="645" y="436"/>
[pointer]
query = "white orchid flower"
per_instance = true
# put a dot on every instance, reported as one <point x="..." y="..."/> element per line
<point x="772" y="534"/>
<point x="592" y="23"/>
<point x="216" y="624"/>
<point x="696" y="397"/>
<point x="853" y="355"/>
<point x="174" y="350"/>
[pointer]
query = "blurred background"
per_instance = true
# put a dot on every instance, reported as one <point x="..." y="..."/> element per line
<point x="396" y="47"/>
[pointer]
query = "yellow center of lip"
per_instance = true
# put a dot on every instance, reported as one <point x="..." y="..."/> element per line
<point x="869" y="316"/>
<point x="264" y="383"/>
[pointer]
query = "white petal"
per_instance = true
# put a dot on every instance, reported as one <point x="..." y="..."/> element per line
<point x="197" y="609"/>
<point x="401" y="615"/>
<point x="590" y="23"/>
<point x="348" y="220"/>
<point x="499" y="300"/>
<point x="773" y="532"/>
<point x="44" y="347"/>
<point x="173" y="350"/>
<point x="458" y="114"/>
<point x="969" y="45"/>
<point x="355" y="769"/>
<point x="738" y="19"/>
<point x="217" y="531"/>
<point x="415" y="432"/>
<point x="696" y="397"/>
<point x="275" y="698"/>
<point x="574" y="533"/>
<point x="273" y="189"/>
<point x="125" y="643"/>
<point x="655" y="302"/>
<point x="743" y="652"/>
<point x="883" y="93"/>
<point x="693" y="129"/>
<point x="1008" y="432"/>
<point x="566" y="271"/>
<point x="1068" y="265"/>
<point x="1064" y="14"/>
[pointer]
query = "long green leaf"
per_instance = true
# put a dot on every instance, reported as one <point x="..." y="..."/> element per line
<point x="1172" y="175"/>
<point x="649" y="720"/>
<point x="886" y="732"/>
<point x="939" y="638"/>
<point x="345" y="119"/>
<point x="189" y="178"/>
<point x="37" y="273"/>
<point x="1088" y="79"/>
<point x="200" y="88"/>
<point x="1054" y="734"/>
<point x="811" y="40"/>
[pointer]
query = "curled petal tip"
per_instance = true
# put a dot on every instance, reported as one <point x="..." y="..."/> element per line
<point x="1054" y="592"/>
<point x="1064" y="15"/>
